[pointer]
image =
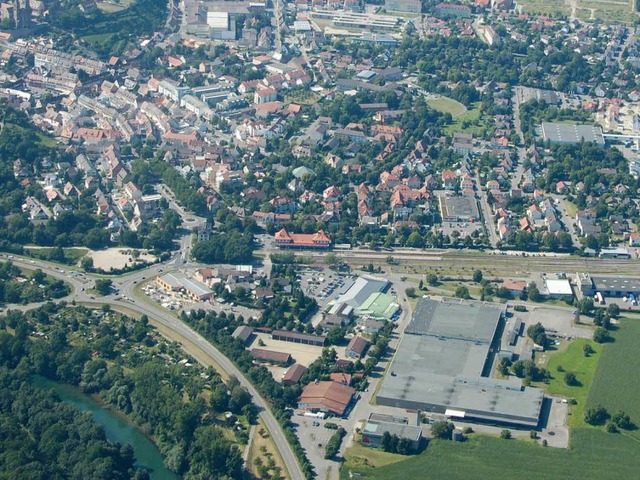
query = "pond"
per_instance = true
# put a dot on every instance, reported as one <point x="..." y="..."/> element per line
<point x="116" y="427"/>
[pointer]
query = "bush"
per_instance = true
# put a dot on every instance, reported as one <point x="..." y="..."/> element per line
<point x="333" y="445"/>
<point x="601" y="335"/>
<point x="596" y="415"/>
<point x="506" y="434"/>
<point x="587" y="349"/>
<point x="520" y="308"/>
<point x="411" y="292"/>
<point x="331" y="426"/>
<point x="570" y="379"/>
<point x="442" y="430"/>
<point x="462" y="292"/>
<point x="622" y="420"/>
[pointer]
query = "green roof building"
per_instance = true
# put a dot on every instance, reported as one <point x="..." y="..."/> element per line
<point x="379" y="305"/>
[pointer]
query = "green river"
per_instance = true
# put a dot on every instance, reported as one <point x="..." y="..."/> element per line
<point x="116" y="427"/>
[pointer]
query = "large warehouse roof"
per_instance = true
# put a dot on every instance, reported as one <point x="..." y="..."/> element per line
<point x="362" y="289"/>
<point x="571" y="133"/>
<point x="440" y="361"/>
<point x="455" y="318"/>
<point x="622" y="284"/>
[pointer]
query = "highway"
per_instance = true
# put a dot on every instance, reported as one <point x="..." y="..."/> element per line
<point x="177" y="330"/>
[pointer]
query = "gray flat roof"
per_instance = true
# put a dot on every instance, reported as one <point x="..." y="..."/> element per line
<point x="455" y="319"/>
<point x="630" y="284"/>
<point x="548" y="96"/>
<point x="463" y="207"/>
<point x="362" y="289"/>
<point x="439" y="362"/>
<point x="571" y="133"/>
<point x="402" y="430"/>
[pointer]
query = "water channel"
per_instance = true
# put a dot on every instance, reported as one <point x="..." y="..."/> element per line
<point x="116" y="427"/>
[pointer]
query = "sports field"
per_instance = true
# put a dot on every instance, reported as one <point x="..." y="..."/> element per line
<point x="593" y="453"/>
<point x="447" y="105"/>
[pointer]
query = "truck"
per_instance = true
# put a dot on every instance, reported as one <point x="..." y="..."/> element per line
<point x="633" y="299"/>
<point x="320" y="415"/>
<point x="599" y="298"/>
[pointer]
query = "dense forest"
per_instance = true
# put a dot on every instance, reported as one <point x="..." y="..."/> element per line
<point x="43" y="438"/>
<point x="132" y="369"/>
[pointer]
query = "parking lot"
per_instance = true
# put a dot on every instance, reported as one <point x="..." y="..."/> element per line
<point x="463" y="228"/>
<point x="325" y="285"/>
<point x="314" y="437"/>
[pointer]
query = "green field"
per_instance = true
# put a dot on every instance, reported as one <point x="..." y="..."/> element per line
<point x="471" y="121"/>
<point x="447" y="105"/>
<point x="594" y="455"/>
<point x="610" y="377"/>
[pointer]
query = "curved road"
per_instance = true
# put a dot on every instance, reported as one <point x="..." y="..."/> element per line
<point x="126" y="284"/>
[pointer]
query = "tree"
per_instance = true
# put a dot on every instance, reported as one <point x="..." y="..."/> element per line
<point x="411" y="292"/>
<point x="442" y="430"/>
<point x="601" y="335"/>
<point x="503" y="367"/>
<point x="506" y="434"/>
<point x="432" y="279"/>
<point x="622" y="420"/>
<point x="538" y="334"/>
<point x="596" y="415"/>
<point x="613" y="310"/>
<point x="585" y="306"/>
<point x="587" y="349"/>
<point x="462" y="292"/>
<point x="331" y="259"/>
<point x="533" y="292"/>
<point x="477" y="276"/>
<point x="87" y="263"/>
<point x="103" y="286"/>
<point x="570" y="379"/>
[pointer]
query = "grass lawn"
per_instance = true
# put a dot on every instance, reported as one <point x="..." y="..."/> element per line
<point x="72" y="255"/>
<point x="447" y="105"/>
<point x="570" y="358"/>
<point x="594" y="454"/>
<point x="366" y="457"/>
<point x="470" y="121"/>
<point x="617" y="383"/>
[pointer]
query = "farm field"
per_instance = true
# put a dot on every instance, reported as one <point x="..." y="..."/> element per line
<point x="609" y="377"/>
<point x="616" y="388"/>
<point x="483" y="457"/>
<point x="609" y="10"/>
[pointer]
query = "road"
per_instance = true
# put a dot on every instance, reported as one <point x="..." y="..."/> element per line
<point x="487" y="215"/>
<point x="176" y="330"/>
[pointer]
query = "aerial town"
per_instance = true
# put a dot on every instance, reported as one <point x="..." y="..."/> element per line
<point x="321" y="239"/>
